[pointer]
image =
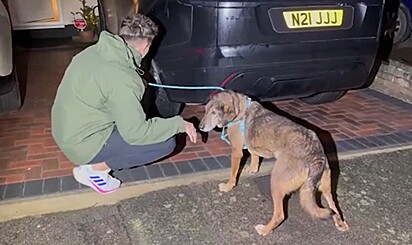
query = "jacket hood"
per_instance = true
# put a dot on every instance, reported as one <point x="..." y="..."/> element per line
<point x="113" y="48"/>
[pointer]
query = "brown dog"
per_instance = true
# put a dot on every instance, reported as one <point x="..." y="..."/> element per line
<point x="301" y="163"/>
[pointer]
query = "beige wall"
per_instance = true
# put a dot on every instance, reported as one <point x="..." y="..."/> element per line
<point x="25" y="11"/>
<point x="72" y="6"/>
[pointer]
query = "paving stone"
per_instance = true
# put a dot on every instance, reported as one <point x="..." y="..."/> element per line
<point x="169" y="169"/>
<point x="154" y="171"/>
<point x="123" y="175"/>
<point x="198" y="165"/>
<point x="184" y="167"/>
<point x="2" y="189"/>
<point x="33" y="188"/>
<point x="52" y="185"/>
<point x="14" y="190"/>
<point x="139" y="174"/>
<point x="212" y="163"/>
<point x="69" y="183"/>
<point x="224" y="161"/>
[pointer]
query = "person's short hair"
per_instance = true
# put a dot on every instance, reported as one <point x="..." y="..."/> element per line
<point x="136" y="27"/>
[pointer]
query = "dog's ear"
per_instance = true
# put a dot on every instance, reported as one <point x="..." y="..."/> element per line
<point x="228" y="113"/>
<point x="233" y="101"/>
<point x="225" y="108"/>
<point x="217" y="101"/>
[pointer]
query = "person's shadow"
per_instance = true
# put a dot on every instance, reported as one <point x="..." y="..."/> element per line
<point x="181" y="138"/>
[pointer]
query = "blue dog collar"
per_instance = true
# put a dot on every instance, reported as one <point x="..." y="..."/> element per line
<point x="242" y="126"/>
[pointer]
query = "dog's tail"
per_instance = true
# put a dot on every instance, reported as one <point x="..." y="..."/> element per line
<point x="308" y="190"/>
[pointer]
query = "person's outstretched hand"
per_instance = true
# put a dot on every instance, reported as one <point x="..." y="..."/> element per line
<point x="191" y="131"/>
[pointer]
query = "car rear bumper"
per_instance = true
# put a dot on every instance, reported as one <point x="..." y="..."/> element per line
<point x="247" y="46"/>
<point x="271" y="72"/>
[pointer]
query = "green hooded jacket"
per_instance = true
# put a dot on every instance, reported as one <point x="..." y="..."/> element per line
<point x="101" y="88"/>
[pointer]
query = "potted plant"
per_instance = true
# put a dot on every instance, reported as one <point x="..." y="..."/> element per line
<point x="85" y="21"/>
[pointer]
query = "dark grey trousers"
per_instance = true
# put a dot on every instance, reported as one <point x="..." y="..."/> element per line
<point x="118" y="154"/>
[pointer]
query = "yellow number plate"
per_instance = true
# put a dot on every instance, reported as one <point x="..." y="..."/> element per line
<point x="313" y="18"/>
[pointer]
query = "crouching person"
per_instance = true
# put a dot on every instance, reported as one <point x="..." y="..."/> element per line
<point x="97" y="117"/>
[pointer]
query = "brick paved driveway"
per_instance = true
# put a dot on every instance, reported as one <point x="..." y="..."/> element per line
<point x="28" y="156"/>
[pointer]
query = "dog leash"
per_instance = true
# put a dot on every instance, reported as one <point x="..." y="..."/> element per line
<point x="186" y="87"/>
<point x="223" y="135"/>
<point x="242" y="126"/>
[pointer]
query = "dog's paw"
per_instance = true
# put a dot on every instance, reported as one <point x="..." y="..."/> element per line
<point x="224" y="187"/>
<point x="342" y="226"/>
<point x="251" y="170"/>
<point x="262" y="230"/>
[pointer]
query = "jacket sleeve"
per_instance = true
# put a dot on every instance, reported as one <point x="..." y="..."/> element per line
<point x="124" y="104"/>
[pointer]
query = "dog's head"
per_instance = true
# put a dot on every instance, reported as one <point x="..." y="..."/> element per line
<point x="221" y="109"/>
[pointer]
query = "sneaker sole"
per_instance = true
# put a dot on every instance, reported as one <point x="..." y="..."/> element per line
<point x="90" y="184"/>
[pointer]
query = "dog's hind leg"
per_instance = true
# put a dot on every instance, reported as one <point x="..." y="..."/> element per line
<point x="279" y="188"/>
<point x="308" y="202"/>
<point x="325" y="189"/>
<point x="254" y="164"/>
<point x="309" y="188"/>
<point x="278" y="216"/>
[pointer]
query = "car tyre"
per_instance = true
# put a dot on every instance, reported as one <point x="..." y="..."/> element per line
<point x="165" y="107"/>
<point x="403" y="29"/>
<point x="10" y="97"/>
<point x="324" y="97"/>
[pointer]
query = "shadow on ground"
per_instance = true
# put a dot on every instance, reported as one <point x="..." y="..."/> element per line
<point x="326" y="139"/>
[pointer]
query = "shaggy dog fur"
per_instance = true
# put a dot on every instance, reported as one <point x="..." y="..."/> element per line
<point x="301" y="163"/>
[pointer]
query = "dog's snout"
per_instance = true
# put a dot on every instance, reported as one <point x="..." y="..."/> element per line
<point x="201" y="126"/>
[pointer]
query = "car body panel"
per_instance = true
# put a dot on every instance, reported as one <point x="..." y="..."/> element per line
<point x="242" y="45"/>
<point x="6" y="56"/>
<point x="408" y="4"/>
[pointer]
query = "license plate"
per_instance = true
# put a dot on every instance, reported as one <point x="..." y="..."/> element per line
<point x="313" y="18"/>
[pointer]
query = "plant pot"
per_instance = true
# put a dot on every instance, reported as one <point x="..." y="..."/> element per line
<point x="87" y="36"/>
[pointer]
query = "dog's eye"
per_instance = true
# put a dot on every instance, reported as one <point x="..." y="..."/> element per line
<point x="213" y="113"/>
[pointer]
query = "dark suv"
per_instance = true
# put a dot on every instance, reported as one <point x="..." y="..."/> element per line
<point x="10" y="98"/>
<point x="313" y="50"/>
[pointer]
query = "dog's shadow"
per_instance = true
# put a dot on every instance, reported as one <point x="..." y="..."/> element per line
<point x="328" y="144"/>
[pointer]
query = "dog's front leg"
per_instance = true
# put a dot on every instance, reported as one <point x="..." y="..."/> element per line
<point x="236" y="155"/>
<point x="235" y="158"/>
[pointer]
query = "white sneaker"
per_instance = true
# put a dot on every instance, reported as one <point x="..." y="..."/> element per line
<point x="100" y="181"/>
